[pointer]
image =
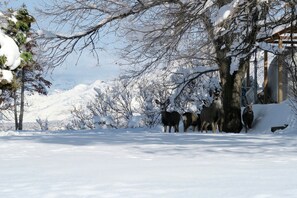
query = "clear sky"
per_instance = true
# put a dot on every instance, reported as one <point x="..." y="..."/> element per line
<point x="72" y="73"/>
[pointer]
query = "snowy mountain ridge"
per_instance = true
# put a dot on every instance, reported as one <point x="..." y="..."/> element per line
<point x="57" y="105"/>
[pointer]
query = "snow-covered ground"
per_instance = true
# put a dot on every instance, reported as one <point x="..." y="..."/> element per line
<point x="149" y="163"/>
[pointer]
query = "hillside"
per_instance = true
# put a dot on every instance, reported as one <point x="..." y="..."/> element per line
<point x="57" y="105"/>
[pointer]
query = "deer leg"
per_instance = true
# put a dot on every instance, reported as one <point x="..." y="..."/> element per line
<point x="185" y="127"/>
<point x="213" y="126"/>
<point x="221" y="125"/>
<point x="216" y="126"/>
<point x="206" y="127"/>
<point x="165" y="129"/>
<point x="169" y="128"/>
<point x="202" y="126"/>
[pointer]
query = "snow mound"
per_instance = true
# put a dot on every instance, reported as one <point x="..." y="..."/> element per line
<point x="270" y="115"/>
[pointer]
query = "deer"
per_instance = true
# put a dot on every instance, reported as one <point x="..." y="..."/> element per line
<point x="213" y="115"/>
<point x="248" y="117"/>
<point x="191" y="119"/>
<point x="170" y="119"/>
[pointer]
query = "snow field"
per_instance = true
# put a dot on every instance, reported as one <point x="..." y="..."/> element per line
<point x="147" y="163"/>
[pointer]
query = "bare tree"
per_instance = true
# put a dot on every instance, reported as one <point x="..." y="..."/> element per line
<point x="166" y="33"/>
<point x="292" y="62"/>
<point x="81" y="119"/>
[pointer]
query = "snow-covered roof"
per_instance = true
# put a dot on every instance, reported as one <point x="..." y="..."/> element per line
<point x="283" y="31"/>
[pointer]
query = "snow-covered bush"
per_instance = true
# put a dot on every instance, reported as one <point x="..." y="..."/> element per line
<point x="147" y="92"/>
<point x="43" y="124"/>
<point x="137" y="120"/>
<point x="118" y="105"/>
<point x="121" y="104"/>
<point x="103" y="122"/>
<point x="113" y="104"/>
<point x="111" y="108"/>
<point x="81" y="119"/>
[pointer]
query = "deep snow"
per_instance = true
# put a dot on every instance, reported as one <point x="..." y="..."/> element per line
<point x="150" y="163"/>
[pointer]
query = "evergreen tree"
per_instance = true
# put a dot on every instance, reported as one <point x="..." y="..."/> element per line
<point x="29" y="76"/>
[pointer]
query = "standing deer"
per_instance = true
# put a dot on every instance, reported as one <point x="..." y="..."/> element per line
<point x="191" y="119"/>
<point x="213" y="115"/>
<point x="170" y="119"/>
<point x="248" y="117"/>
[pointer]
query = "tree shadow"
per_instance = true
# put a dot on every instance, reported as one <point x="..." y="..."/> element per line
<point x="152" y="141"/>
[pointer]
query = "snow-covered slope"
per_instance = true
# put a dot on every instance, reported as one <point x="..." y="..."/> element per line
<point x="57" y="105"/>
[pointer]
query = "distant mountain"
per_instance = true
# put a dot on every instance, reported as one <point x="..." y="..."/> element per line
<point x="57" y="105"/>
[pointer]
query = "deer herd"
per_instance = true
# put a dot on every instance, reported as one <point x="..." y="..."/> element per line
<point x="210" y="118"/>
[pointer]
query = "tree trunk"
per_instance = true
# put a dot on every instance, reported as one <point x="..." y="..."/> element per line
<point x="231" y="91"/>
<point x="15" y="110"/>
<point x="231" y="103"/>
<point x="22" y="101"/>
<point x="231" y="81"/>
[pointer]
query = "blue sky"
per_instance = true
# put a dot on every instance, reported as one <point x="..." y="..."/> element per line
<point x="72" y="73"/>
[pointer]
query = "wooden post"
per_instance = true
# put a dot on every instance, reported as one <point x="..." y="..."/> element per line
<point x="265" y="76"/>
<point x="280" y="73"/>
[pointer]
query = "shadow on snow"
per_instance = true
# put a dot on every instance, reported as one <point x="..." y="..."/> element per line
<point x="151" y="141"/>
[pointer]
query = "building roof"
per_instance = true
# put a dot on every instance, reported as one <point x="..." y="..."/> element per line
<point x="288" y="35"/>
